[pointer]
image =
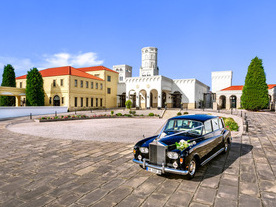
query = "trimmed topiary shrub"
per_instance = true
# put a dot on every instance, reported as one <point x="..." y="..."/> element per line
<point x="128" y="104"/>
<point x="151" y="114"/>
<point x="132" y="112"/>
<point x="112" y="112"/>
<point x="119" y="114"/>
<point x="178" y="114"/>
<point x="255" y="90"/>
<point x="186" y="112"/>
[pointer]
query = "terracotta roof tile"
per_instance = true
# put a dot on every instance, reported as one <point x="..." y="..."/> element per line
<point x="240" y="87"/>
<point x="95" y="68"/>
<point x="59" y="71"/>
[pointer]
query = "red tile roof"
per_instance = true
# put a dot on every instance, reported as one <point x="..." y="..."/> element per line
<point x="66" y="70"/>
<point x="239" y="88"/>
<point x="233" y="88"/>
<point x="95" y="68"/>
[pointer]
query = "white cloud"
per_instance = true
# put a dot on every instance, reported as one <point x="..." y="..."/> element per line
<point x="63" y="59"/>
<point x="22" y="65"/>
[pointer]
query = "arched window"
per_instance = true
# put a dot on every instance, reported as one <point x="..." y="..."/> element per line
<point x="233" y="101"/>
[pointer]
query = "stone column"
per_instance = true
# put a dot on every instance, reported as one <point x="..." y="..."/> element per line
<point x="159" y="104"/>
<point x="148" y="100"/>
<point x="227" y="104"/>
<point x="137" y="100"/>
<point x="17" y="100"/>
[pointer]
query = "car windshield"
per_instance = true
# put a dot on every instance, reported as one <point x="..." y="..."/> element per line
<point x="183" y="125"/>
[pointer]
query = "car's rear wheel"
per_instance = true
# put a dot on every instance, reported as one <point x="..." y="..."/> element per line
<point x="192" y="168"/>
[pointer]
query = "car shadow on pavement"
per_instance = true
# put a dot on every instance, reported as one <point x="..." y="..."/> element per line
<point x="223" y="162"/>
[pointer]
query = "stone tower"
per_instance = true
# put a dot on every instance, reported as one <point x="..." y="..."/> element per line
<point x="149" y="62"/>
<point x="221" y="80"/>
<point x="125" y="71"/>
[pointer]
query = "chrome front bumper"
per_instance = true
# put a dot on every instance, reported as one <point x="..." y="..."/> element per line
<point x="162" y="168"/>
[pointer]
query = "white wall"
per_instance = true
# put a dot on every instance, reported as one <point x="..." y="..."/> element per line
<point x="9" y="112"/>
<point x="200" y="89"/>
<point x="221" y="80"/>
<point x="186" y="87"/>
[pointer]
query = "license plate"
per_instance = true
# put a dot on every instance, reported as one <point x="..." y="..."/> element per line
<point x="154" y="170"/>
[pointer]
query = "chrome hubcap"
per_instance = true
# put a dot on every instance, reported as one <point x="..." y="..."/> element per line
<point x="225" y="146"/>
<point x="192" y="167"/>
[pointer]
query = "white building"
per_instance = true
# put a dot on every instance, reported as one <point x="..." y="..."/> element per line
<point x="153" y="90"/>
<point x="228" y="96"/>
<point x="221" y="80"/>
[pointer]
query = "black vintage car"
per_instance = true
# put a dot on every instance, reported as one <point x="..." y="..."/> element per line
<point x="185" y="143"/>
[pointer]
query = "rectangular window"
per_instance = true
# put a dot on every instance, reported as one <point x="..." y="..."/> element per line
<point x="20" y="84"/>
<point x="62" y="100"/>
<point x="92" y="86"/>
<point x="61" y="82"/>
<point x="81" y="102"/>
<point x="54" y="83"/>
<point x="101" y="86"/>
<point x="96" y="102"/>
<point x="86" y="84"/>
<point x="207" y="127"/>
<point x="91" y="102"/>
<point x="121" y="78"/>
<point x="76" y="102"/>
<point x="215" y="124"/>
<point x="76" y="83"/>
<point x="50" y="100"/>
<point x="101" y="102"/>
<point x="108" y="78"/>
<point x="96" y="85"/>
<point x="109" y="90"/>
<point x="81" y="84"/>
<point x="86" y="102"/>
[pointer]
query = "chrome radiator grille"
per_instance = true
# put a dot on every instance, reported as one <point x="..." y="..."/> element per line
<point x="157" y="154"/>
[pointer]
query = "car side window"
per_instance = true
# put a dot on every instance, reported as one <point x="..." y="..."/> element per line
<point x="221" y="125"/>
<point x="207" y="127"/>
<point x="215" y="124"/>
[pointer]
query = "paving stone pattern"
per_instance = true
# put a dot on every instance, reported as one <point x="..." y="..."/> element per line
<point x="36" y="171"/>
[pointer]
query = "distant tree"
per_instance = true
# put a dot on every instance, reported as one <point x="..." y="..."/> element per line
<point x="128" y="104"/>
<point x="34" y="88"/>
<point x="8" y="80"/>
<point x="255" y="91"/>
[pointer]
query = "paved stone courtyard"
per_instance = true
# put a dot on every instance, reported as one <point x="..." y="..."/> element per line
<point x="36" y="171"/>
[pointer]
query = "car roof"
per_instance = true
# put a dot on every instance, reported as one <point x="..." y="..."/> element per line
<point x="196" y="117"/>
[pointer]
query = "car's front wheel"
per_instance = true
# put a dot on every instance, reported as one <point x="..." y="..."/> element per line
<point x="226" y="146"/>
<point x="192" y="168"/>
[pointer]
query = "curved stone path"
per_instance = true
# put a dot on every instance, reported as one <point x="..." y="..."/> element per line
<point x="37" y="171"/>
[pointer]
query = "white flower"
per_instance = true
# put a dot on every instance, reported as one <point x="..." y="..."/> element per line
<point x="182" y="141"/>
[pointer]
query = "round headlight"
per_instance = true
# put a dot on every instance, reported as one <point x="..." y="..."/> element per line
<point x="144" y="150"/>
<point x="172" y="155"/>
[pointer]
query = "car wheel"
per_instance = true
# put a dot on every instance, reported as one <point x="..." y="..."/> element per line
<point x="192" y="168"/>
<point x="226" y="146"/>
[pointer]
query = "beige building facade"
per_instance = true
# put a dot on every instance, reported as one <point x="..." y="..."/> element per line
<point x="77" y="88"/>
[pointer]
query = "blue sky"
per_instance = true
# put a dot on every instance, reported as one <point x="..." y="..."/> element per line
<point x="193" y="38"/>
